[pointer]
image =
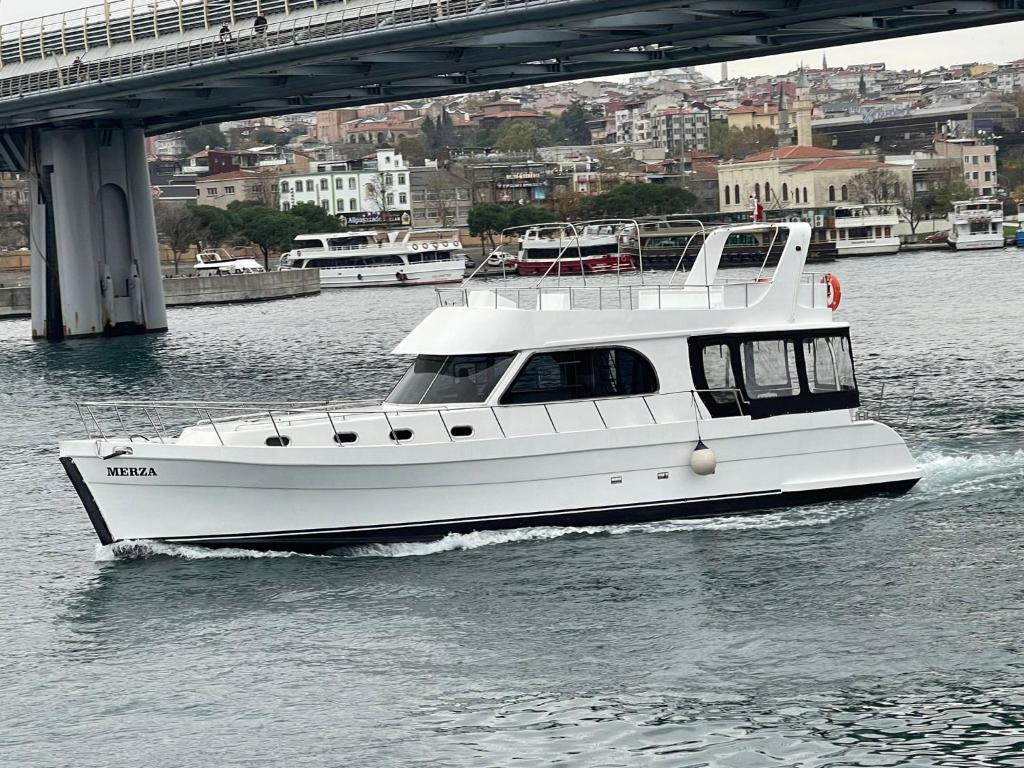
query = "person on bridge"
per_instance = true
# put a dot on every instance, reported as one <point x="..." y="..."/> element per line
<point x="225" y="34"/>
<point x="260" y="25"/>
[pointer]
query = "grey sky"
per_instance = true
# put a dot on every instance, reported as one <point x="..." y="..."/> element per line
<point x="997" y="43"/>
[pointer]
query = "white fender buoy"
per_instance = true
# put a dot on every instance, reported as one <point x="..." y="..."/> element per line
<point x="703" y="460"/>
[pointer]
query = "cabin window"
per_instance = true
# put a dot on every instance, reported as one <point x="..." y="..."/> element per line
<point x="582" y="374"/>
<point x="719" y="381"/>
<point x="279" y="441"/>
<point x="776" y="373"/>
<point x="435" y="379"/>
<point x="344" y="438"/>
<point x="400" y="435"/>
<point x="463" y="430"/>
<point x="769" y="368"/>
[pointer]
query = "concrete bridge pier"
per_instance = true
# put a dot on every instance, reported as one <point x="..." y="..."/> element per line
<point x="96" y="260"/>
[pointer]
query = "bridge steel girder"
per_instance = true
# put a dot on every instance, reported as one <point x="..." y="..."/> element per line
<point x="543" y="43"/>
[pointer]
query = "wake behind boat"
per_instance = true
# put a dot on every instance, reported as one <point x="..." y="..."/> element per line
<point x="554" y="405"/>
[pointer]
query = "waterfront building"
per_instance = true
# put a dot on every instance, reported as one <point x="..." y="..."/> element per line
<point x="978" y="160"/>
<point x="438" y="197"/>
<point x="375" y="184"/>
<point x="240" y="185"/>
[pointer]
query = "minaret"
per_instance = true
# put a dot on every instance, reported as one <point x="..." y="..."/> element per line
<point x="824" y="62"/>
<point x="725" y="71"/>
<point x="802" y="106"/>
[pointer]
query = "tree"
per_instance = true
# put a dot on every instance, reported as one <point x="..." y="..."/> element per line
<point x="266" y="228"/>
<point x="876" y="185"/>
<point x="738" y="143"/>
<point x="518" y="137"/>
<point x="438" y="135"/>
<point x="413" y="150"/>
<point x="951" y="192"/>
<point x="485" y="220"/>
<point x="631" y="200"/>
<point x="215" y="225"/>
<point x="862" y="86"/>
<point x="202" y="136"/>
<point x="522" y="215"/>
<point x="310" y="217"/>
<point x="915" y="208"/>
<point x="267" y="135"/>
<point x="573" y="123"/>
<point x="177" y="227"/>
<point x="568" y="205"/>
<point x="380" y="192"/>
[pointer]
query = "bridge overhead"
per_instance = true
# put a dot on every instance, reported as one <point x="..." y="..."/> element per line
<point x="167" y="66"/>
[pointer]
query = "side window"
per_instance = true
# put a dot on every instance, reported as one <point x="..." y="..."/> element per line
<point x="769" y="368"/>
<point x="829" y="364"/>
<point x="718" y="375"/>
<point x="582" y="374"/>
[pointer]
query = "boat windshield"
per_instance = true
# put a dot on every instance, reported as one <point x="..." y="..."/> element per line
<point x="436" y="380"/>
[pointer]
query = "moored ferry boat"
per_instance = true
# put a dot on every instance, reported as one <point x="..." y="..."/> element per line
<point x="864" y="230"/>
<point x="589" y="250"/>
<point x="558" y="405"/>
<point x="976" y="224"/>
<point x="379" y="257"/>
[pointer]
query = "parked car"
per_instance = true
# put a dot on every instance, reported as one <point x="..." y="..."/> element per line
<point x="937" y="237"/>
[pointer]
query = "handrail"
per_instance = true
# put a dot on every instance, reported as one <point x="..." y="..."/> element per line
<point x="276" y="416"/>
<point x="338" y="23"/>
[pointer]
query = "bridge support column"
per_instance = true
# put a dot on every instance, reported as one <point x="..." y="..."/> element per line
<point x="96" y="260"/>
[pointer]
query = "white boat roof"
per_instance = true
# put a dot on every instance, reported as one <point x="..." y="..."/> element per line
<point x="489" y="320"/>
<point x="350" y="233"/>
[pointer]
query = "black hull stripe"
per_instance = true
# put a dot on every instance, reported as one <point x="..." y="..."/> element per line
<point x="75" y="475"/>
<point x="722" y="506"/>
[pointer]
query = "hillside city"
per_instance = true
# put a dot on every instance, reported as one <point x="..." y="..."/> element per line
<point x="668" y="142"/>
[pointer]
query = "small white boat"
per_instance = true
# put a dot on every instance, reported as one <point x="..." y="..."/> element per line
<point x="379" y="257"/>
<point x="523" y="406"/>
<point x="220" y="262"/>
<point x="864" y="230"/>
<point x="976" y="224"/>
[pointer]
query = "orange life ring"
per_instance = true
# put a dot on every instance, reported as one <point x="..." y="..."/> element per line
<point x="833" y="291"/>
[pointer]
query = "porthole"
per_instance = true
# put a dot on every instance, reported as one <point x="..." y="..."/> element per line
<point x="400" y="435"/>
<point x="463" y="430"/>
<point x="279" y="441"/>
<point x="343" y="438"/>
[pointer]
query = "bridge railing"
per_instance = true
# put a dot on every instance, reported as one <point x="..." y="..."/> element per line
<point x="285" y="33"/>
<point x="125" y="21"/>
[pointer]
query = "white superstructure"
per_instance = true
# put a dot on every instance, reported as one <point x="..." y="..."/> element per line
<point x="864" y="230"/>
<point x="522" y="407"/>
<point x="975" y="224"/>
<point x="379" y="257"/>
<point x="220" y="262"/>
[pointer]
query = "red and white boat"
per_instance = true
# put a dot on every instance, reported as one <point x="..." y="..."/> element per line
<point x="550" y="249"/>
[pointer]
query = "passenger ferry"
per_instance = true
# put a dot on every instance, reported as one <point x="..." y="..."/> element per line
<point x="1019" y="237"/>
<point x="551" y="405"/>
<point x="379" y="257"/>
<point x="864" y="230"/>
<point x="567" y="250"/>
<point x="975" y="224"/>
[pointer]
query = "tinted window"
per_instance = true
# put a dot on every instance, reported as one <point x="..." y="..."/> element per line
<point x="829" y="364"/>
<point x="769" y="368"/>
<point x="435" y="379"/>
<point x="582" y="374"/>
<point x="718" y="374"/>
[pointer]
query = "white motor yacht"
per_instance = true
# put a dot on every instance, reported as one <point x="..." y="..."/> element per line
<point x="548" y="405"/>
<point x="976" y="224"/>
<point x="545" y="249"/>
<point x="864" y="230"/>
<point x="379" y="257"/>
<point x="220" y="262"/>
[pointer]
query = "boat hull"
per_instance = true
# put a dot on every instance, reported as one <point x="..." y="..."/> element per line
<point x="874" y="247"/>
<point x="976" y="243"/>
<point x="571" y="266"/>
<point x="430" y="273"/>
<point x="315" y="499"/>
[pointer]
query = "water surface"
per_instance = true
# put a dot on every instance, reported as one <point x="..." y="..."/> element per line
<point x="873" y="633"/>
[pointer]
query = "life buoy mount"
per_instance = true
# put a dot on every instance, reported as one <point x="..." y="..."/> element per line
<point x="833" y="291"/>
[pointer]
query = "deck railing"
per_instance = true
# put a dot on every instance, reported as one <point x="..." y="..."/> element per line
<point x="73" y="66"/>
<point x="163" y="421"/>
<point x="725" y="294"/>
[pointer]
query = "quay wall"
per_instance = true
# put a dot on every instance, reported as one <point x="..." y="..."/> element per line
<point x="193" y="291"/>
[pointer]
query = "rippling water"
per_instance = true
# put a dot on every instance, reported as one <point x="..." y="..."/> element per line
<point x="878" y="632"/>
